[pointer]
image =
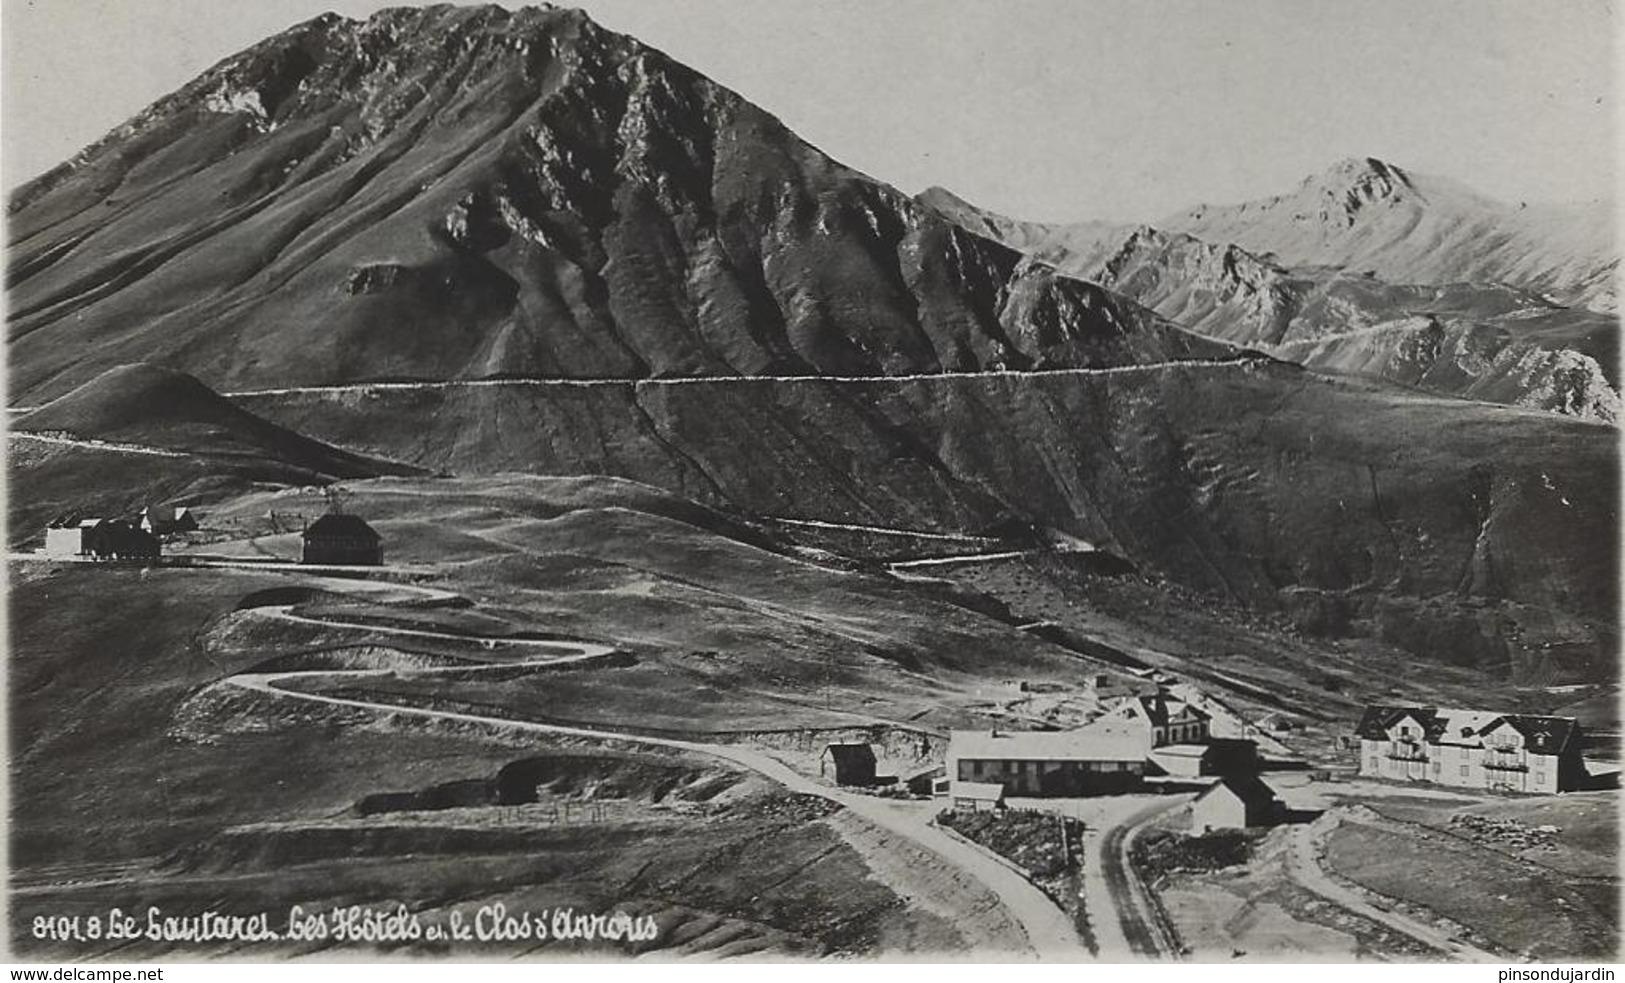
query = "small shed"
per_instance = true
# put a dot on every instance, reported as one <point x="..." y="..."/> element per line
<point x="1235" y="802"/>
<point x="65" y="537"/>
<point x="976" y="796"/>
<point x="340" y="539"/>
<point x="924" y="781"/>
<point x="851" y="764"/>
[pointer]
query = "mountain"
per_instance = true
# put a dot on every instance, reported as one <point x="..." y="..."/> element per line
<point x="1366" y="215"/>
<point x="1481" y="340"/>
<point x="140" y="434"/>
<point x="477" y="242"/>
<point x="446" y="193"/>
<point x="1466" y="532"/>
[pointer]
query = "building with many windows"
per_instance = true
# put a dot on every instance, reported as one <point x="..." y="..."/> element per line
<point x="1480" y="749"/>
<point x="1071" y="762"/>
<point x="1158" y="719"/>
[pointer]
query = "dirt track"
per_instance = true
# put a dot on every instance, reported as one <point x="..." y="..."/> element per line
<point x="1306" y="870"/>
<point x="1048" y="932"/>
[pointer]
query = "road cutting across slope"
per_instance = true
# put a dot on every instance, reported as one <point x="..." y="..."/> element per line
<point x="1048" y="932"/>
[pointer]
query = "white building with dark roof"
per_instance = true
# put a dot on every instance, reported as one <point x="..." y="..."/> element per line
<point x="1158" y="719"/>
<point x="1235" y="802"/>
<point x="1480" y="749"/>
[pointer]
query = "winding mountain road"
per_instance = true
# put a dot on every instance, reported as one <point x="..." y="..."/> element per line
<point x="1048" y="931"/>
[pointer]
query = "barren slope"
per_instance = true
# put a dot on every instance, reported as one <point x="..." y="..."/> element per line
<point x="466" y="192"/>
<point x="1462" y="530"/>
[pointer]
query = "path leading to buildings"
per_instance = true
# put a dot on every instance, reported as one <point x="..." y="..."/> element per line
<point x="1048" y="931"/>
<point x="1124" y="901"/>
<point x="1304" y="866"/>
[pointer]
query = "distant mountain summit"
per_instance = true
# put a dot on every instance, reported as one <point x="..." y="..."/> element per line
<point x="1366" y="269"/>
<point x="445" y="193"/>
<point x="1365" y="215"/>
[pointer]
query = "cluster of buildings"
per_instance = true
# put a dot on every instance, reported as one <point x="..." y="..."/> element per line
<point x="80" y="537"/>
<point x="1161" y="735"/>
<point x="335" y="539"/>
<point x="1140" y="735"/>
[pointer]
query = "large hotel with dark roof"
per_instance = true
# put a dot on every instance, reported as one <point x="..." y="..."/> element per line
<point x="1479" y="749"/>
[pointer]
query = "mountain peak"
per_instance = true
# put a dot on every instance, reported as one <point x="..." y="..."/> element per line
<point x="1357" y="181"/>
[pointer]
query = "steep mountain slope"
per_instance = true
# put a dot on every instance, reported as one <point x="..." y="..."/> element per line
<point x="466" y="192"/>
<point x="1463" y="531"/>
<point x="703" y="302"/>
<point x="1367" y="215"/>
<point x="1484" y="341"/>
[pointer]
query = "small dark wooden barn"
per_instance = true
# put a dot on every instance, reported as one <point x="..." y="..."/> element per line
<point x="342" y="540"/>
<point x="852" y="764"/>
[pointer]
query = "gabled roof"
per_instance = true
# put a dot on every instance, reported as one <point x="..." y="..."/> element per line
<point x="1460" y="726"/>
<point x="1376" y="721"/>
<point x="1089" y="744"/>
<point x="1452" y="725"/>
<point x="1157" y="708"/>
<point x="340" y="525"/>
<point x="1542" y="735"/>
<point x="1248" y="788"/>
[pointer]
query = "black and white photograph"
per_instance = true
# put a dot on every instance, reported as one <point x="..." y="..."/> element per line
<point x="812" y="481"/>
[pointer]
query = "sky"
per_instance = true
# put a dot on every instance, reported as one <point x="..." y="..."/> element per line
<point x="1045" y="109"/>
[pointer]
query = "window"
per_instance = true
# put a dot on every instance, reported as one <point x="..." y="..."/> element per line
<point x="1540" y="778"/>
<point x="1437" y="766"/>
<point x="1464" y="771"/>
<point x="1376" y="762"/>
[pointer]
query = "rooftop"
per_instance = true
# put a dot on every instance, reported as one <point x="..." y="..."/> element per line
<point x="343" y="525"/>
<point x="1041" y="745"/>
<point x="1452" y="725"/>
<point x="1247" y="788"/>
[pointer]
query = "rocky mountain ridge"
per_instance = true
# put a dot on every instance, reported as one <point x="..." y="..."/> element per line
<point x="466" y="192"/>
<point x="1366" y="215"/>
<point x="1480" y="340"/>
<point x="474" y="241"/>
